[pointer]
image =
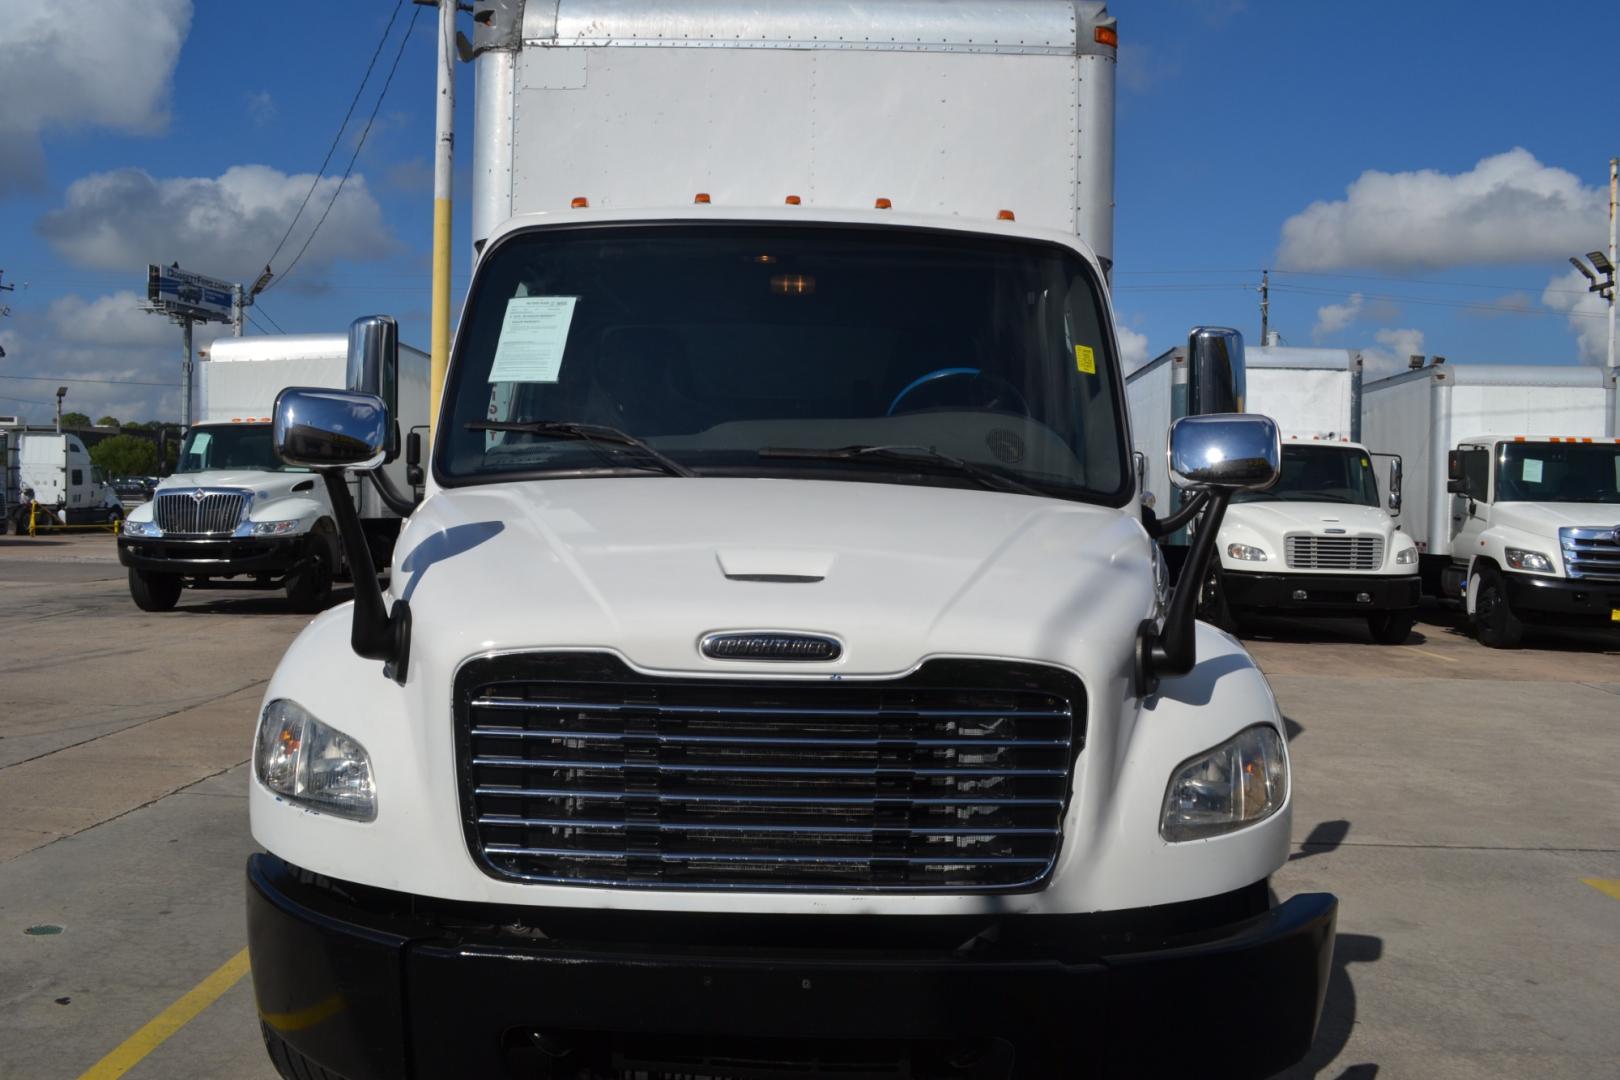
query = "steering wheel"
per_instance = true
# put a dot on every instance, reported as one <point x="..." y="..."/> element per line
<point x="960" y="373"/>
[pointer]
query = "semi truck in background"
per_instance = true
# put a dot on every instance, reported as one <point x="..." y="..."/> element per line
<point x="233" y="515"/>
<point x="1515" y="503"/>
<point x="1321" y="541"/>
<point x="777" y="677"/>
<point x="56" y="467"/>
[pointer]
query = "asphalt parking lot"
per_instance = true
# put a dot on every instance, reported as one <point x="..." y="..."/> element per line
<point x="1461" y="803"/>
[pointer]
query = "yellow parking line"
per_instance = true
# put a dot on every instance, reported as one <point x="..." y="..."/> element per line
<point x="1436" y="655"/>
<point x="129" y="1053"/>
<point x="1609" y="886"/>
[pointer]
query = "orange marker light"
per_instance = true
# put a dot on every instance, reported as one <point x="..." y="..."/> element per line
<point x="701" y="198"/>
<point x="793" y="200"/>
<point x="580" y="202"/>
<point x="1106" y="35"/>
<point x="884" y="204"/>
<point x="1006" y="215"/>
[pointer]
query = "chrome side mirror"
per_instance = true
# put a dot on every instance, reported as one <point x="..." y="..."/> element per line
<point x="373" y="366"/>
<point x="330" y="429"/>
<point x="1216" y="377"/>
<point x="1228" y="452"/>
<point x="1395" y="486"/>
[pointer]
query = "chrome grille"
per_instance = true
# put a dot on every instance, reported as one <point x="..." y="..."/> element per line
<point x="1592" y="554"/>
<point x="576" y="770"/>
<point x="181" y="513"/>
<point x="1312" y="551"/>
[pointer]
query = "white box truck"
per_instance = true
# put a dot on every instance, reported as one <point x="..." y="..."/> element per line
<point x="56" y="468"/>
<point x="233" y="515"/>
<point x="777" y="677"/>
<point x="1516" y="489"/>
<point x="1320" y="541"/>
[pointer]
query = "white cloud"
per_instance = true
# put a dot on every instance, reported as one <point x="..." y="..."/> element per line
<point x="225" y="226"/>
<point x="1509" y="208"/>
<point x="261" y="108"/>
<point x="97" y="63"/>
<point x="116" y="319"/>
<point x="1332" y="318"/>
<point x="1133" y="348"/>
<point x="1588" y="315"/>
<point x="1391" y="354"/>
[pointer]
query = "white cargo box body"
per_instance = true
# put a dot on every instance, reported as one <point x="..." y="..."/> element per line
<point x="1310" y="393"/>
<point x="1156" y="394"/>
<point x="1422" y="414"/>
<point x="945" y="107"/>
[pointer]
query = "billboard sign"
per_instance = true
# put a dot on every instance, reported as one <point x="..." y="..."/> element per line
<point x="180" y="292"/>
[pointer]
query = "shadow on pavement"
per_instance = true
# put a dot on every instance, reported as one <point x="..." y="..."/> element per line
<point x="28" y="542"/>
<point x="1452" y="620"/>
<point x="1323" y="840"/>
<point x="1342" y="631"/>
<point x="246" y="602"/>
<point x="1339" y="1014"/>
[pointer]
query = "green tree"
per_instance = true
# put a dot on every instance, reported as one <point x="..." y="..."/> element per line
<point x="125" y="455"/>
<point x="108" y="421"/>
<point x="75" y="420"/>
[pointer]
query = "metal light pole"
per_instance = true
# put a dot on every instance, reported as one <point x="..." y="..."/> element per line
<point x="185" y="416"/>
<point x="443" y="161"/>
<point x="1614" y="180"/>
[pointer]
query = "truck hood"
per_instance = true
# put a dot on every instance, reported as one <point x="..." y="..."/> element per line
<point x="1316" y="517"/>
<point x="1545" y="519"/>
<point x="648" y="566"/>
<point x="263" y="484"/>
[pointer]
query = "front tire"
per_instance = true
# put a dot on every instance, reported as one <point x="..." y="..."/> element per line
<point x="1390" y="627"/>
<point x="1495" y="624"/>
<point x="1212" y="605"/>
<point x="154" y="592"/>
<point x="310" y="586"/>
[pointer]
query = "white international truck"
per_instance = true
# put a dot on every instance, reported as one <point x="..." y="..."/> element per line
<point x="777" y="678"/>
<point x="56" y="467"/>
<point x="233" y="514"/>
<point x="1320" y="542"/>
<point x="1516" y="501"/>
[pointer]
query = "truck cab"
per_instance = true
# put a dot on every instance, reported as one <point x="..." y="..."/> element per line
<point x="1319" y="542"/>
<point x="1535" y="524"/>
<point x="57" y="467"/>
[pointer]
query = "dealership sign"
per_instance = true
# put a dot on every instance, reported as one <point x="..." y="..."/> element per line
<point x="180" y="292"/>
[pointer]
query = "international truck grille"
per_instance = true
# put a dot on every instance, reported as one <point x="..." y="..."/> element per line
<point x="198" y="511"/>
<point x="1310" y="551"/>
<point x="1592" y="554"/>
<point x="576" y="770"/>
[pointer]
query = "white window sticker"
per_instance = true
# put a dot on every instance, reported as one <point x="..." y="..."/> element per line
<point x="1532" y="471"/>
<point x="533" y="336"/>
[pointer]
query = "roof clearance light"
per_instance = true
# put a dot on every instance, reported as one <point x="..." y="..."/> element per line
<point x="793" y="285"/>
<point x="793" y="200"/>
<point x="701" y="198"/>
<point x="580" y="202"/>
<point x="884" y="204"/>
<point x="1006" y="215"/>
<point x="1106" y="35"/>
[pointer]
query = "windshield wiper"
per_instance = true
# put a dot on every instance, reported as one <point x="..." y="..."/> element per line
<point x="908" y="455"/>
<point x="595" y="434"/>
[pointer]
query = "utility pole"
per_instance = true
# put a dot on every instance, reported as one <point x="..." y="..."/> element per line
<point x="1265" y="307"/>
<point x="1614" y="181"/>
<point x="236" y="321"/>
<point x="185" y="415"/>
<point x="61" y="392"/>
<point x="443" y="162"/>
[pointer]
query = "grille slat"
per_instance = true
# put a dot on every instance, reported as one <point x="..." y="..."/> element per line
<point x="577" y="770"/>
<point x="1591" y="553"/>
<point x="1311" y="551"/>
<point x="216" y="513"/>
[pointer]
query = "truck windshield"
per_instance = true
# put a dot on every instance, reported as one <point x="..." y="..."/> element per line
<point x="1320" y="473"/>
<point x="726" y="347"/>
<point x="234" y="446"/>
<point x="1558" y="472"/>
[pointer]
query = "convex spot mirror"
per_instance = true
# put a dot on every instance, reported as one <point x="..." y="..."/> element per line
<point x="317" y="428"/>
<point x="1225" y="452"/>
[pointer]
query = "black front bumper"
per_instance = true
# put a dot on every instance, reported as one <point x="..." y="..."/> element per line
<point x="1325" y="594"/>
<point x="258" y="556"/>
<point x="1563" y="601"/>
<point x="371" y="984"/>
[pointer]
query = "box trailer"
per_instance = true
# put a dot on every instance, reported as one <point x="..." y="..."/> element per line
<point x="1512" y="499"/>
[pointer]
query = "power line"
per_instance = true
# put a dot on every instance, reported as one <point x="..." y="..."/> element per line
<point x="403" y="41"/>
<point x="338" y="135"/>
<point x="98" y="382"/>
<point x="1429" y="301"/>
<point x="256" y="325"/>
<point x="269" y="320"/>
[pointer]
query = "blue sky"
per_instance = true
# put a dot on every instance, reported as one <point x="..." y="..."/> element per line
<point x="1414" y="174"/>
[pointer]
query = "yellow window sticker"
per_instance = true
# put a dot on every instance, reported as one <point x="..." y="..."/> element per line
<point x="1085" y="359"/>
<point x="1365" y="464"/>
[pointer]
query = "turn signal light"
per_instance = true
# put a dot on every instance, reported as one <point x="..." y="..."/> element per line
<point x="1106" y="35"/>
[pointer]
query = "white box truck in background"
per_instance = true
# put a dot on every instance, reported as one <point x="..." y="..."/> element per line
<point x="1320" y="542"/>
<point x="58" y="470"/>
<point x="777" y="677"/>
<point x="233" y="515"/>
<point x="1514" y="499"/>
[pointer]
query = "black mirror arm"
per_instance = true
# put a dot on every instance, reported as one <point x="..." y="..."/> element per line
<point x="1165" y="526"/>
<point x="396" y="500"/>
<point x="1171" y="648"/>
<point x="377" y="634"/>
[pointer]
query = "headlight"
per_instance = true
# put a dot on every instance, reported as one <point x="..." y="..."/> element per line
<point x="1245" y="552"/>
<point x="1406" y="556"/>
<point x="141" y="528"/>
<point x="275" y="528"/>
<point x="1534" y="561"/>
<point x="1240" y="782"/>
<point x="300" y="758"/>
